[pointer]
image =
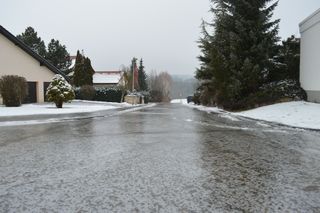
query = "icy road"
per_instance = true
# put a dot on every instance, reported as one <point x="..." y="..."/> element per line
<point x="167" y="158"/>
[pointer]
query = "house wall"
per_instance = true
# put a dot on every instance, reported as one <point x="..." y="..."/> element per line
<point x="310" y="56"/>
<point x="15" y="61"/>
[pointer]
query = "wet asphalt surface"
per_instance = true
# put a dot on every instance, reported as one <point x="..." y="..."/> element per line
<point x="167" y="158"/>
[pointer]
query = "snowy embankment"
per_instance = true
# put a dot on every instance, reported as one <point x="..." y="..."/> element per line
<point x="50" y="109"/>
<point x="296" y="114"/>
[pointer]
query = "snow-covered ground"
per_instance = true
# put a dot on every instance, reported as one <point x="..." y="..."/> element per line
<point x="49" y="108"/>
<point x="179" y="101"/>
<point x="297" y="114"/>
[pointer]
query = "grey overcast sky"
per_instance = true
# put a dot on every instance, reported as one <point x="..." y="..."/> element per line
<point x="111" y="32"/>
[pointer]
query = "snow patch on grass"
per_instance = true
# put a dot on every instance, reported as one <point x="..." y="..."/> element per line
<point x="179" y="101"/>
<point x="298" y="114"/>
<point x="50" y="109"/>
<point x="229" y="116"/>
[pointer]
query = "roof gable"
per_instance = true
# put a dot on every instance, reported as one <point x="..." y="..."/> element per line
<point x="107" y="77"/>
<point x="28" y="50"/>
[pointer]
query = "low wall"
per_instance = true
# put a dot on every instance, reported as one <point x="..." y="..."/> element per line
<point x="313" y="96"/>
<point x="131" y="99"/>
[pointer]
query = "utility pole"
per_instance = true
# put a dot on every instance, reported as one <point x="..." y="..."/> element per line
<point x="132" y="75"/>
<point x="133" y="69"/>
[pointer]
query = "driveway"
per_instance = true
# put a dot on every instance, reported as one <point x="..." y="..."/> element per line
<point x="168" y="158"/>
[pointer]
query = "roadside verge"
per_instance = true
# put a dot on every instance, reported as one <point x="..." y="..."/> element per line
<point x="296" y="114"/>
<point x="47" y="113"/>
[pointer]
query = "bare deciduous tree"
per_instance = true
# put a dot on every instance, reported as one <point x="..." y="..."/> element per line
<point x="160" y="86"/>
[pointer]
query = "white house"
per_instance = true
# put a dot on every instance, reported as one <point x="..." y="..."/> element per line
<point x="101" y="78"/>
<point x="310" y="56"/>
<point x="16" y="58"/>
<point x="108" y="78"/>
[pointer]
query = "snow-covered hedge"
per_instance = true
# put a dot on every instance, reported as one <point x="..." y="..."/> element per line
<point x="285" y="89"/>
<point x="59" y="91"/>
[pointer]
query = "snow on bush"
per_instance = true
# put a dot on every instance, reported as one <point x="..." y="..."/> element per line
<point x="59" y="91"/>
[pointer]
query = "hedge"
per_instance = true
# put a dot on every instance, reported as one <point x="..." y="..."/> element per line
<point x="101" y="94"/>
<point x="13" y="90"/>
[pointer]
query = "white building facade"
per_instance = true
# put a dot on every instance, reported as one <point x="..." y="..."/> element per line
<point x="18" y="59"/>
<point x="310" y="56"/>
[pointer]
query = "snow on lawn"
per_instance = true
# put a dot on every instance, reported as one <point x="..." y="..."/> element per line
<point x="44" y="109"/>
<point x="179" y="101"/>
<point x="199" y="107"/>
<point x="298" y="114"/>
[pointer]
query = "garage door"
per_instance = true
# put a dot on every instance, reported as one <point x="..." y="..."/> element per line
<point x="32" y="93"/>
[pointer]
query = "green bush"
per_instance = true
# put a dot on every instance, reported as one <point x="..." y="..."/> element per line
<point x="196" y="98"/>
<point x="59" y="91"/>
<point x="274" y="92"/>
<point x="108" y="95"/>
<point x="156" y="96"/>
<point x="13" y="90"/>
<point x="87" y="92"/>
<point x="146" y="96"/>
<point x="105" y="94"/>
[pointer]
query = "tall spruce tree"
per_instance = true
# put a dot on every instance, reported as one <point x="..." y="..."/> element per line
<point x="88" y="72"/>
<point x="58" y="55"/>
<point x="78" y="70"/>
<point x="142" y="77"/>
<point x="83" y="71"/>
<point x="236" y="57"/>
<point x="31" y="39"/>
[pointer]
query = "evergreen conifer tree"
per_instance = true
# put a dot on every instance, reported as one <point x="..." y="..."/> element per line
<point x="287" y="60"/>
<point x="59" y="91"/>
<point x="58" y="55"/>
<point x="142" y="77"/>
<point x="88" y="72"/>
<point x="31" y="39"/>
<point x="83" y="71"/>
<point x="78" y="70"/>
<point x="236" y="57"/>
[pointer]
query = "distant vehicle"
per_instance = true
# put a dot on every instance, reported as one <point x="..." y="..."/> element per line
<point x="190" y="99"/>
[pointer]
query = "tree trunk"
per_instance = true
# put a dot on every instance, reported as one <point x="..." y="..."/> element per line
<point x="59" y="104"/>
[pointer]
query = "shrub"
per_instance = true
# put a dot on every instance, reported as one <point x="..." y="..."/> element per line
<point x="87" y="92"/>
<point x="59" y="91"/>
<point x="108" y="94"/>
<point x="196" y="98"/>
<point x="13" y="90"/>
<point x="105" y="94"/>
<point x="146" y="96"/>
<point x="271" y="93"/>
